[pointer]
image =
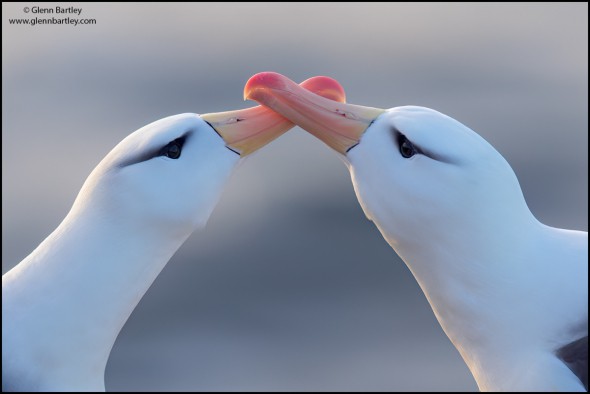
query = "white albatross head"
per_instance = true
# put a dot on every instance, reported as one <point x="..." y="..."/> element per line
<point x="170" y="173"/>
<point x="505" y="288"/>
<point x="416" y="171"/>
<point x="67" y="301"/>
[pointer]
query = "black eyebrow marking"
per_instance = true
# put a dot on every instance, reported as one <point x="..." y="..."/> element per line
<point x="155" y="152"/>
<point x="398" y="136"/>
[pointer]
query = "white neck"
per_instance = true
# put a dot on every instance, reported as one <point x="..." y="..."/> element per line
<point x="68" y="299"/>
<point x="495" y="300"/>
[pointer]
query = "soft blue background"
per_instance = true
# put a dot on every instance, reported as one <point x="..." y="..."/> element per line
<point x="289" y="287"/>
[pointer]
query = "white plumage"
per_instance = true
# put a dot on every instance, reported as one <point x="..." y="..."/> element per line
<point x="510" y="292"/>
<point x="64" y="304"/>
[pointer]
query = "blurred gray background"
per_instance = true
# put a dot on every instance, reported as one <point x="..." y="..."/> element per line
<point x="289" y="287"/>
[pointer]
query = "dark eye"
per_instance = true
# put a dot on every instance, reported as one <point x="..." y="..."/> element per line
<point x="173" y="149"/>
<point x="406" y="148"/>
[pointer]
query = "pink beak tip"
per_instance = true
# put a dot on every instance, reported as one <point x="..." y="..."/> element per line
<point x="324" y="86"/>
<point x="329" y="88"/>
<point x="267" y="79"/>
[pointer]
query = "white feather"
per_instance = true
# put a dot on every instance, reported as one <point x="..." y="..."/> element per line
<point x="64" y="304"/>
<point x="507" y="289"/>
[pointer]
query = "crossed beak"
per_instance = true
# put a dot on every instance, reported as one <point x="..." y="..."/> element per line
<point x="247" y="130"/>
<point x="338" y="124"/>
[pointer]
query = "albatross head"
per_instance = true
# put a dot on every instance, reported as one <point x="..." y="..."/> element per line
<point x="67" y="301"/>
<point x="419" y="174"/>
<point x="507" y="290"/>
<point x="170" y="173"/>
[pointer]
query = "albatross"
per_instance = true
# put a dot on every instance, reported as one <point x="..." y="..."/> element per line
<point x="65" y="303"/>
<point x="510" y="292"/>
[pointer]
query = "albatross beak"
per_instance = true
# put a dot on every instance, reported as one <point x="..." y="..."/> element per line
<point x="246" y="130"/>
<point x="338" y="124"/>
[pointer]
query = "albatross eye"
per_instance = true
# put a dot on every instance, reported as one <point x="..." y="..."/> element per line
<point x="406" y="148"/>
<point x="173" y="149"/>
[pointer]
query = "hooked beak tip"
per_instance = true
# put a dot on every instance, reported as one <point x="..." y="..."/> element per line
<point x="262" y="80"/>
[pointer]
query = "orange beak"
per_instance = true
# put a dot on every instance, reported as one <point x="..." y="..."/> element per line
<point x="247" y="130"/>
<point x="338" y="124"/>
